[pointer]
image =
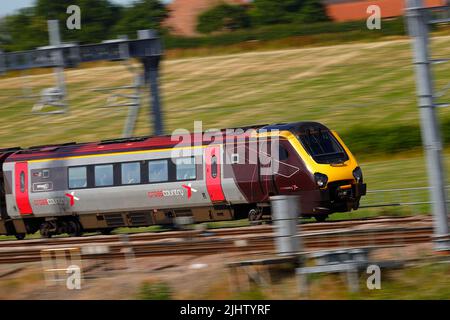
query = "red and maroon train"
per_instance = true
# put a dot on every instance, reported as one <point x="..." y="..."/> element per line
<point x="73" y="188"/>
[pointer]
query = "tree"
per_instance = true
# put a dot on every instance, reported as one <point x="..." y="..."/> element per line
<point x="24" y="30"/>
<point x="97" y="18"/>
<point x="142" y="14"/>
<point x="100" y="20"/>
<point x="312" y="11"/>
<point x="53" y="9"/>
<point x="288" y="11"/>
<point x="273" y="12"/>
<point x="223" y="17"/>
<point x="5" y="38"/>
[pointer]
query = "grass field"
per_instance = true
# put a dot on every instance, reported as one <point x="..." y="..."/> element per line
<point x="342" y="86"/>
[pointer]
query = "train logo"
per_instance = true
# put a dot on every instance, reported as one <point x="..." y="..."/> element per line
<point x="189" y="189"/>
<point x="173" y="192"/>
<point x="291" y="188"/>
<point x="72" y="198"/>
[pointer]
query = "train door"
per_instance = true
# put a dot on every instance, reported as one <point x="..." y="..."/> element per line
<point x="21" y="188"/>
<point x="213" y="174"/>
<point x="266" y="167"/>
<point x="285" y="170"/>
<point x="3" y="214"/>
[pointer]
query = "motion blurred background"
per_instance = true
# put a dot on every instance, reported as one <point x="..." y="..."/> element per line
<point x="242" y="62"/>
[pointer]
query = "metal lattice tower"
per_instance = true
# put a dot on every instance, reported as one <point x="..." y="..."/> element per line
<point x="147" y="49"/>
<point x="419" y="19"/>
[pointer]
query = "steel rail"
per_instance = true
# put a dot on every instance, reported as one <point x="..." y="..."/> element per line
<point x="222" y="232"/>
<point x="247" y="243"/>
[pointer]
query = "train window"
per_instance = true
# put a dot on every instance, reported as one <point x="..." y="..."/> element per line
<point x="131" y="173"/>
<point x="77" y="177"/>
<point x="214" y="166"/>
<point x="283" y="153"/>
<point x="104" y="175"/>
<point x="22" y="182"/>
<point x="185" y="168"/>
<point x="158" y="171"/>
<point x="323" y="147"/>
<point x="235" y="158"/>
<point x="45" y="174"/>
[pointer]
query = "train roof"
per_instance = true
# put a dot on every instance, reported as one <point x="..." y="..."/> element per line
<point x="297" y="127"/>
<point x="141" y="143"/>
<point x="5" y="152"/>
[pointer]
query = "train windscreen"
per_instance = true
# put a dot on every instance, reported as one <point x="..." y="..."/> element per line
<point x="323" y="147"/>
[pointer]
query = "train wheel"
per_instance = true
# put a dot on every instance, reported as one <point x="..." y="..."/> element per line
<point x="20" y="236"/>
<point x="76" y="230"/>
<point x="255" y="217"/>
<point x="45" y="230"/>
<point x="321" y="218"/>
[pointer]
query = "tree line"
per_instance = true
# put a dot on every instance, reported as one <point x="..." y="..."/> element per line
<point x="100" y="20"/>
<point x="227" y="17"/>
<point x="104" y="19"/>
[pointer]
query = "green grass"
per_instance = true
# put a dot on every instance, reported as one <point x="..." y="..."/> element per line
<point x="423" y="281"/>
<point x="370" y="84"/>
<point x="154" y="291"/>
<point x="413" y="283"/>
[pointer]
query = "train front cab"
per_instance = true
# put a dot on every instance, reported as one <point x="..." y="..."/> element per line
<point x="337" y="178"/>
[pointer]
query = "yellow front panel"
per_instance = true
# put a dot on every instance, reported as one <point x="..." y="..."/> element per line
<point x="342" y="171"/>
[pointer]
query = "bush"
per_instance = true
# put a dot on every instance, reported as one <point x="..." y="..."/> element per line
<point x="223" y="17"/>
<point x="369" y="140"/>
<point x="155" y="291"/>
<point x="312" y="11"/>
<point x="143" y="14"/>
<point x="386" y="140"/>
<point x="357" y="29"/>
<point x="266" y="12"/>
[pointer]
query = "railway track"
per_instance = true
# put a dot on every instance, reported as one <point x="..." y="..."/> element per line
<point x="249" y="239"/>
<point x="222" y="232"/>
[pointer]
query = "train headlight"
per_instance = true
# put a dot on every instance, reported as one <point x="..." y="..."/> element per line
<point x="321" y="179"/>
<point x="357" y="173"/>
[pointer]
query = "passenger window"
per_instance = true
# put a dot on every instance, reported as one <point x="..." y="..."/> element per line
<point x="131" y="173"/>
<point x="158" y="171"/>
<point x="104" y="175"/>
<point x="214" y="166"/>
<point x="185" y="168"/>
<point x="77" y="178"/>
<point x="22" y="182"/>
<point x="45" y="174"/>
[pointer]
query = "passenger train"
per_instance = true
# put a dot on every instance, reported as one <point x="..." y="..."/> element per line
<point x="78" y="187"/>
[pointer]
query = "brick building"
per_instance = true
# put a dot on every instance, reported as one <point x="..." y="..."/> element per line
<point x="347" y="10"/>
<point x="184" y="13"/>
